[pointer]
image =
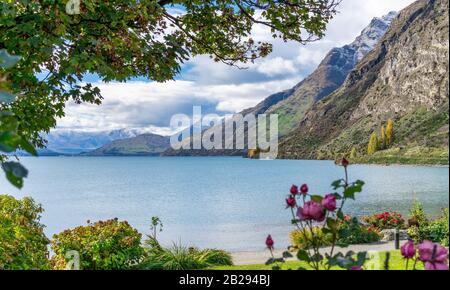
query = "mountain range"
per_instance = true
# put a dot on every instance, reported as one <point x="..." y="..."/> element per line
<point x="405" y="79"/>
<point x="72" y="142"/>
<point x="292" y="105"/>
<point x="331" y="73"/>
<point x="396" y="69"/>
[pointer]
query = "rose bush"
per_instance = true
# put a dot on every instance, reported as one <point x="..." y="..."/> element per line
<point x="352" y="232"/>
<point x="316" y="216"/>
<point x="386" y="220"/>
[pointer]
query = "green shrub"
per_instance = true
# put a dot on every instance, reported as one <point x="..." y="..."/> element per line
<point x="300" y="241"/>
<point x="436" y="231"/>
<point x="23" y="244"/>
<point x="352" y="232"/>
<point x="104" y="245"/>
<point x="179" y="257"/>
<point x="417" y="214"/>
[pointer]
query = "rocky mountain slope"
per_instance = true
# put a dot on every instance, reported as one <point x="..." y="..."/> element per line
<point x="141" y="145"/>
<point x="291" y="105"/>
<point x="404" y="78"/>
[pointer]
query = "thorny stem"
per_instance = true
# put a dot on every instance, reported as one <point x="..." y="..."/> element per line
<point x="333" y="245"/>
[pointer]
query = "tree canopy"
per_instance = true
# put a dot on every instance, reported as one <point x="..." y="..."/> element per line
<point x="118" y="40"/>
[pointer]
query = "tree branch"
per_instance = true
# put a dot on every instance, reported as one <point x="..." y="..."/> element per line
<point x="164" y="2"/>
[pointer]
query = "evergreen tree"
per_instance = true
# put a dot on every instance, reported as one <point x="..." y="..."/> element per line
<point x="373" y="144"/>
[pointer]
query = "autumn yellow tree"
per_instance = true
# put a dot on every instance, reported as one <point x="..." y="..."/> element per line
<point x="383" y="141"/>
<point x="389" y="132"/>
<point x="353" y="153"/>
<point x="373" y="144"/>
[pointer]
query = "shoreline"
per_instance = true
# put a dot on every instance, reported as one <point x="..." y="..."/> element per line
<point x="242" y="258"/>
<point x="224" y="156"/>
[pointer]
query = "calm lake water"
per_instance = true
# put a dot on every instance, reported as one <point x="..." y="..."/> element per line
<point x="229" y="203"/>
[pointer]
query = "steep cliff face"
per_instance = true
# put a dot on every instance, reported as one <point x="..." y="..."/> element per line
<point x="292" y="104"/>
<point x="405" y="77"/>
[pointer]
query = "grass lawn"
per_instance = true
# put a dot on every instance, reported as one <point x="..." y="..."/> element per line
<point x="396" y="263"/>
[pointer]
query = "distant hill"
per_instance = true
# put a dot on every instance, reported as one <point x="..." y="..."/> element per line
<point x="73" y="142"/>
<point x="141" y="145"/>
<point x="405" y="78"/>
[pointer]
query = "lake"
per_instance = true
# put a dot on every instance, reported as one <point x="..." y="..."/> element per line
<point x="229" y="203"/>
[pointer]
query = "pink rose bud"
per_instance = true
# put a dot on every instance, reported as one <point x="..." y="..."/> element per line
<point x="431" y="252"/>
<point x="291" y="202"/>
<point x="304" y="189"/>
<point x="294" y="189"/>
<point x="311" y="210"/>
<point x="356" y="268"/>
<point x="329" y="202"/>
<point x="345" y="162"/>
<point x="269" y="242"/>
<point x="408" y="250"/>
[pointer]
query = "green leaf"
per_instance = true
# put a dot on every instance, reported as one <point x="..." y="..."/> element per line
<point x="15" y="173"/>
<point x="302" y="255"/>
<point x="28" y="147"/>
<point x="361" y="258"/>
<point x="287" y="254"/>
<point x="351" y="190"/>
<point x="270" y="261"/>
<point x="336" y="184"/>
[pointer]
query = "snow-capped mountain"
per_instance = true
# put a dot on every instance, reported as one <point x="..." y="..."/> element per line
<point x="291" y="105"/>
<point x="371" y="35"/>
<point x="75" y="141"/>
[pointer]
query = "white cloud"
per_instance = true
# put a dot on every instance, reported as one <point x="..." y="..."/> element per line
<point x="151" y="105"/>
<point x="220" y="88"/>
<point x="276" y="66"/>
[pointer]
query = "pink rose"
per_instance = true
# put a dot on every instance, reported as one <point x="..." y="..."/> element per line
<point x="304" y="189"/>
<point x="431" y="252"/>
<point x="356" y="268"/>
<point x="329" y="202"/>
<point x="291" y="202"/>
<point x="311" y="210"/>
<point x="269" y="242"/>
<point x="436" y="266"/>
<point x="294" y="189"/>
<point x="408" y="250"/>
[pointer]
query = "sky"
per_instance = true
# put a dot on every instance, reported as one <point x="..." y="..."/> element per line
<point x="218" y="88"/>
